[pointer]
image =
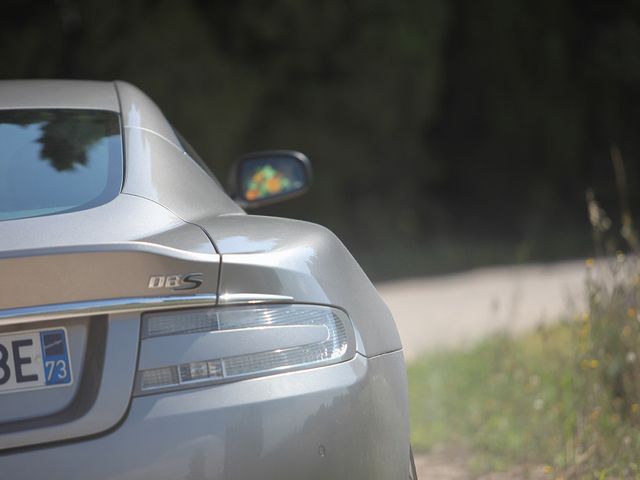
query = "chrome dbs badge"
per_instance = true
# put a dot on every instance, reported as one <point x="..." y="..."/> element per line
<point x="188" y="281"/>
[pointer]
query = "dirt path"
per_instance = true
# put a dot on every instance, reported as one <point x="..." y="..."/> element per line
<point x="449" y="464"/>
<point x="452" y="310"/>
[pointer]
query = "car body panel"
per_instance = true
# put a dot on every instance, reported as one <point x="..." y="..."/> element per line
<point x="100" y="254"/>
<point x="140" y="112"/>
<point x="96" y="268"/>
<point x="126" y="218"/>
<point x="287" y="427"/>
<point x="103" y="398"/>
<point x="158" y="167"/>
<point x="159" y="171"/>
<point x="306" y="262"/>
<point x="39" y="402"/>
<point x="102" y="271"/>
<point x="19" y="94"/>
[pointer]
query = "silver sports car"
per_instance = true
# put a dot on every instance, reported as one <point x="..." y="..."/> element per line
<point x="150" y="329"/>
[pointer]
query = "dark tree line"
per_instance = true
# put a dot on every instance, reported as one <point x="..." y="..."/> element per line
<point x="456" y="132"/>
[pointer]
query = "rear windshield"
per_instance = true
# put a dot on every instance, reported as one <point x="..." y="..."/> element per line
<point x="58" y="160"/>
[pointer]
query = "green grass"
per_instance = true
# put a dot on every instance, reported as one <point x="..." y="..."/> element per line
<point x="507" y="401"/>
<point x="532" y="400"/>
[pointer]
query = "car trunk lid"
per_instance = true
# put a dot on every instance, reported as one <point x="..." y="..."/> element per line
<point x="95" y="295"/>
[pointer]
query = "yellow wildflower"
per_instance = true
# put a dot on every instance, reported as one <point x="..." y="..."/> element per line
<point x="584" y="331"/>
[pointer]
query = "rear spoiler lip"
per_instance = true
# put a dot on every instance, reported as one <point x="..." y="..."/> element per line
<point x="103" y="307"/>
<point x="84" y="280"/>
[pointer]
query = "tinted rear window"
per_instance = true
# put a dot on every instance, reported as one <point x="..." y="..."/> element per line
<point x="58" y="160"/>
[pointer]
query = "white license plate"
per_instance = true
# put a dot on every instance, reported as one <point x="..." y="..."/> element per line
<point x="34" y="359"/>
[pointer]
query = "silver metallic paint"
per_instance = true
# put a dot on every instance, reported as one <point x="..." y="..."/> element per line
<point x="140" y="112"/>
<point x="278" y="256"/>
<point x="165" y="175"/>
<point x="126" y="218"/>
<point x="110" y="405"/>
<point x="342" y="421"/>
<point x="270" y="256"/>
<point x="17" y="94"/>
<point x="101" y="271"/>
<point x="266" y="428"/>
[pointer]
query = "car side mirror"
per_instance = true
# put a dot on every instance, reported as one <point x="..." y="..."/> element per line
<point x="263" y="178"/>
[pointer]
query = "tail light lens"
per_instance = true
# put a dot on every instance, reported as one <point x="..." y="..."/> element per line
<point x="183" y="348"/>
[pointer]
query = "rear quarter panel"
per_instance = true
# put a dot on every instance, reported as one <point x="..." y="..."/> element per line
<point x="302" y="261"/>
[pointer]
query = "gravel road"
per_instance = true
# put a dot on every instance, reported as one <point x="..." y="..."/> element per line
<point x="453" y="310"/>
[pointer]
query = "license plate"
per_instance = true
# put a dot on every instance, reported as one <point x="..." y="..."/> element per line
<point x="34" y="359"/>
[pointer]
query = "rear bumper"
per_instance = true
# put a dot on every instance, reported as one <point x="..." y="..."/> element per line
<point x="343" y="421"/>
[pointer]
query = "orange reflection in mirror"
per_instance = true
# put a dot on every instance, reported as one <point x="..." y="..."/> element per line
<point x="266" y="182"/>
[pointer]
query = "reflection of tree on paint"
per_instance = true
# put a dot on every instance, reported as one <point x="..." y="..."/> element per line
<point x="265" y="182"/>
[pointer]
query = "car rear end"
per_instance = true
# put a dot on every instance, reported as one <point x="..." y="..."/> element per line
<point x="132" y="348"/>
<point x="165" y="388"/>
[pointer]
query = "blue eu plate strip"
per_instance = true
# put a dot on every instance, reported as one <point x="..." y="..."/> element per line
<point x="55" y="358"/>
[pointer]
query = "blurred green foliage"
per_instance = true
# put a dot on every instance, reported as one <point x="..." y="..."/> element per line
<point x="504" y="401"/>
<point x="566" y="397"/>
<point x="428" y="121"/>
<point x="538" y="400"/>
